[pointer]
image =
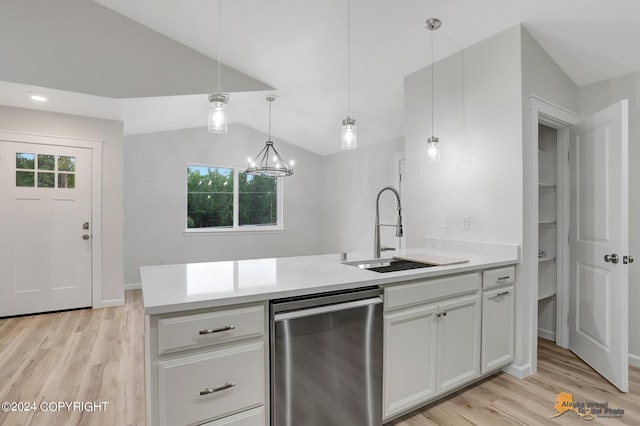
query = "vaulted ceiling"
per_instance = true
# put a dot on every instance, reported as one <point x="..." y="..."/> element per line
<point x="151" y="63"/>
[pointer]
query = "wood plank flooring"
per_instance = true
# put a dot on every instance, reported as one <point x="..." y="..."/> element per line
<point x="89" y="356"/>
<point x="505" y="400"/>
<point x="98" y="356"/>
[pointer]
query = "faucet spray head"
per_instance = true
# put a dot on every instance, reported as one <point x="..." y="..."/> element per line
<point x="399" y="232"/>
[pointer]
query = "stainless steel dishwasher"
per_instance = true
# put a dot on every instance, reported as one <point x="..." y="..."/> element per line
<point x="326" y="359"/>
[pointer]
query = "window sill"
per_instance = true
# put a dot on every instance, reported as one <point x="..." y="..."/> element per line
<point x="237" y="231"/>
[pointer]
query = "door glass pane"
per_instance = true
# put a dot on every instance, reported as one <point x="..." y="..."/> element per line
<point x="66" y="163"/>
<point x="66" y="180"/>
<point x="258" y="200"/>
<point x="25" y="161"/>
<point x="46" y="180"/>
<point x="25" y="179"/>
<point x="209" y="197"/>
<point x="46" y="162"/>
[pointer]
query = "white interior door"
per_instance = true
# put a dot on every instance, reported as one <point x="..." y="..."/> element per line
<point x="45" y="244"/>
<point x="599" y="234"/>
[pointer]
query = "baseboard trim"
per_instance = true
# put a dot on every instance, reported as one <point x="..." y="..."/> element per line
<point x="133" y="286"/>
<point x="111" y="303"/>
<point x="519" y="371"/>
<point x="547" y="334"/>
<point x="634" y="360"/>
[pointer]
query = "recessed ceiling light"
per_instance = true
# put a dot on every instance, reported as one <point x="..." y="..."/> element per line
<point x="38" y="98"/>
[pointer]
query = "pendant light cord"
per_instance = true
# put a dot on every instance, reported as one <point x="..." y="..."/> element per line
<point x="348" y="58"/>
<point x="270" y="102"/>
<point x="219" y="39"/>
<point x="432" y="91"/>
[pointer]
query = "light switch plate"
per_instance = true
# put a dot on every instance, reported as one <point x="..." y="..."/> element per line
<point x="444" y="221"/>
<point x="464" y="223"/>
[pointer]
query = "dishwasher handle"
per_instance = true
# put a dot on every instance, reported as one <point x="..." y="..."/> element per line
<point x="282" y="316"/>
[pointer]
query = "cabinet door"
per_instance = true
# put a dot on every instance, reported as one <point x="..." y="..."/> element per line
<point x="498" y="309"/>
<point x="458" y="341"/>
<point x="410" y="339"/>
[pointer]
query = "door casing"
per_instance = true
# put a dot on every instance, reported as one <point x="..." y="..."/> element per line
<point x="561" y="119"/>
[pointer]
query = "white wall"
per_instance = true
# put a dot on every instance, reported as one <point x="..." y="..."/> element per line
<point x="352" y="180"/>
<point x="480" y="172"/>
<point x="481" y="117"/>
<point x="593" y="98"/>
<point x="155" y="199"/>
<point x="20" y="120"/>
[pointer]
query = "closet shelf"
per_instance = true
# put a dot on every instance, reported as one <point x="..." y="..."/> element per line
<point x="548" y="186"/>
<point x="549" y="223"/>
<point x="546" y="295"/>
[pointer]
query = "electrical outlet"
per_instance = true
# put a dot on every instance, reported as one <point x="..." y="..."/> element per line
<point x="444" y="221"/>
<point x="464" y="223"/>
<point x="163" y="260"/>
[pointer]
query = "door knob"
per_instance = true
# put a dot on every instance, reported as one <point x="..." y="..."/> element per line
<point x="627" y="259"/>
<point x="613" y="258"/>
<point x="86" y="237"/>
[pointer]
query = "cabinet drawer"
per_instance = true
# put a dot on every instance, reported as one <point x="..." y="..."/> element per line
<point x="232" y="378"/>
<point x="423" y="291"/>
<point x="189" y="331"/>
<point x="254" y="417"/>
<point x="498" y="277"/>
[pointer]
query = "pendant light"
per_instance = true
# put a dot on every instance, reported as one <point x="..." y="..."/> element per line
<point x="349" y="137"/>
<point x="268" y="162"/>
<point x="433" y="143"/>
<point x="218" y="115"/>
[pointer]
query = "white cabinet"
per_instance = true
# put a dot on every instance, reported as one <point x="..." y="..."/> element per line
<point x="411" y="339"/>
<point x="254" y="417"/>
<point x="432" y="340"/>
<point x="498" y="328"/>
<point x="458" y="342"/>
<point x="207" y="366"/>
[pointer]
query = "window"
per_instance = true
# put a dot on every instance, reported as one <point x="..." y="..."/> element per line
<point x="45" y="167"/>
<point x="228" y="199"/>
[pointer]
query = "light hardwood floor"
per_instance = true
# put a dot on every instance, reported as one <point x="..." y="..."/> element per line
<point x="86" y="355"/>
<point x="98" y="355"/>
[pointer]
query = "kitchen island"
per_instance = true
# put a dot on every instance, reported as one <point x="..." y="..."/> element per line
<point x="207" y="328"/>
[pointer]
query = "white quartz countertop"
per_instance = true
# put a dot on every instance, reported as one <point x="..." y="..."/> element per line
<point x="182" y="287"/>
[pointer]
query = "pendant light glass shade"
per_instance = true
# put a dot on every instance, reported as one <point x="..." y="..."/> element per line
<point x="349" y="135"/>
<point x="268" y="162"/>
<point x="218" y="115"/>
<point x="433" y="143"/>
<point x="433" y="149"/>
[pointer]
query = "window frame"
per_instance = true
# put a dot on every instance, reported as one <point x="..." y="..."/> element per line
<point x="236" y="228"/>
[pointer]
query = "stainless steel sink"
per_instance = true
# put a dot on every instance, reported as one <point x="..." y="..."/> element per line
<point x="388" y="265"/>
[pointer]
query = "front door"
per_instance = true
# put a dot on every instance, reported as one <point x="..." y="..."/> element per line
<point x="599" y="242"/>
<point x="45" y="228"/>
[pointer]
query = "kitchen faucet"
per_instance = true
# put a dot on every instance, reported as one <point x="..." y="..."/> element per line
<point x="376" y="236"/>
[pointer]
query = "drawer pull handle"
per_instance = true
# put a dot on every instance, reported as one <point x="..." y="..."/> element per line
<point x="499" y="295"/>
<point x="208" y="391"/>
<point x="504" y="278"/>
<point x="217" y="330"/>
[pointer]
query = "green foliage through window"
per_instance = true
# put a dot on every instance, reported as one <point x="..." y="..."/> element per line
<point x="258" y="200"/>
<point x="210" y="198"/>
